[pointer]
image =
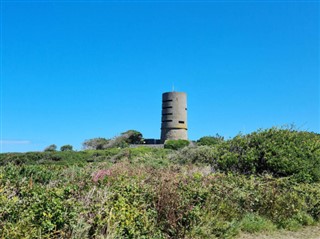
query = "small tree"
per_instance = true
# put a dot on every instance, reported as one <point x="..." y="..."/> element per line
<point x="121" y="141"/>
<point x="125" y="139"/>
<point x="96" y="143"/>
<point x="66" y="147"/>
<point x="133" y="137"/>
<point x="51" y="148"/>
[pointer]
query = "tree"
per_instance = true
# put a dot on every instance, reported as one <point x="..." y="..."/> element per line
<point x="51" y="148"/>
<point x="125" y="139"/>
<point x="66" y="147"/>
<point x="96" y="143"/>
<point x="121" y="141"/>
<point x="133" y="137"/>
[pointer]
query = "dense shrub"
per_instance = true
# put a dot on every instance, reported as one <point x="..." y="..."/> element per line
<point x="159" y="193"/>
<point x="128" y="200"/>
<point x="200" y="154"/>
<point x="210" y="140"/>
<point x="67" y="147"/>
<point x="133" y="137"/>
<point x="121" y="141"/>
<point x="282" y="152"/>
<point x="96" y="143"/>
<point x="64" y="157"/>
<point x="176" y="144"/>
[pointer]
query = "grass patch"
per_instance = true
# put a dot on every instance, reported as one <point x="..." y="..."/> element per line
<point x="253" y="223"/>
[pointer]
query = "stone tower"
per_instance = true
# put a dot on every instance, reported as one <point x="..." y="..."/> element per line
<point x="174" y="116"/>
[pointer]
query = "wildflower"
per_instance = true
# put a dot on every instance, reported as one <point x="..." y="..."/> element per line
<point x="101" y="174"/>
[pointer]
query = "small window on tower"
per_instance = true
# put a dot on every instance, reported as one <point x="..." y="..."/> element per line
<point x="181" y="122"/>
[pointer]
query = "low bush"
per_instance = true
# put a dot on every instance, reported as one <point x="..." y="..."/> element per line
<point x="282" y="152"/>
<point x="176" y="144"/>
<point x="253" y="223"/>
<point x="193" y="155"/>
<point x="128" y="200"/>
<point x="210" y="140"/>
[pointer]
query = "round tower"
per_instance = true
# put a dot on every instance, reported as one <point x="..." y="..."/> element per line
<point x="174" y="116"/>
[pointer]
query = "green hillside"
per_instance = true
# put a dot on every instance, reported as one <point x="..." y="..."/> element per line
<point x="213" y="188"/>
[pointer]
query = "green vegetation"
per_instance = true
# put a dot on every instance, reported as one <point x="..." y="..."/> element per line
<point x="210" y="140"/>
<point x="67" y="147"/>
<point x="254" y="223"/>
<point x="51" y="148"/>
<point x="176" y="144"/>
<point x="121" y="141"/>
<point x="133" y="137"/>
<point x="242" y="184"/>
<point x="95" y="144"/>
<point x="281" y="152"/>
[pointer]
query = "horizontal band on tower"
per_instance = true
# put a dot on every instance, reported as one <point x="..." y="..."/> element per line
<point x="174" y="128"/>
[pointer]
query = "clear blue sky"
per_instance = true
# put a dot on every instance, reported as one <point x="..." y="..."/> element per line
<point x="75" y="70"/>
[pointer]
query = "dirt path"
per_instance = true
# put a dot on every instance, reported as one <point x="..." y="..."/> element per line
<point x="312" y="232"/>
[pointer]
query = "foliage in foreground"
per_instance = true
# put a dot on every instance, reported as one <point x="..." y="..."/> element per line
<point x="258" y="182"/>
<point x="126" y="200"/>
<point x="281" y="152"/>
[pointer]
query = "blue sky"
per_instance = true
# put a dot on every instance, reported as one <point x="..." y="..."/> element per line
<point x="75" y="70"/>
